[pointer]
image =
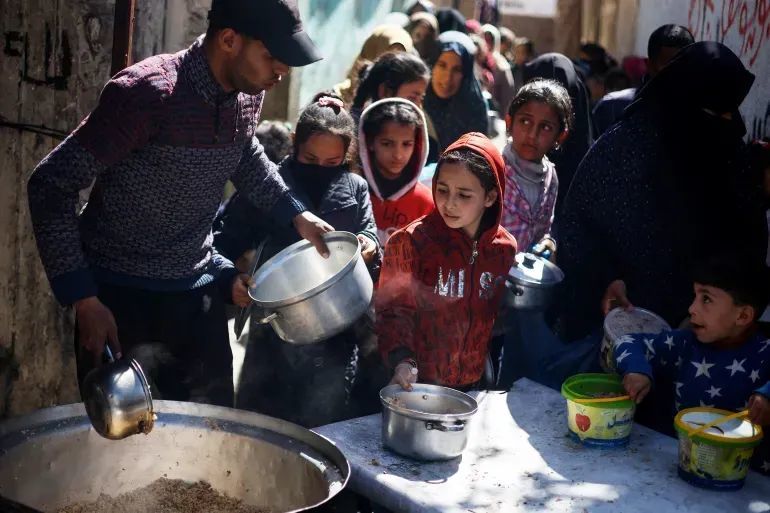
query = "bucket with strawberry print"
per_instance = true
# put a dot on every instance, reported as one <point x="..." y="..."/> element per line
<point x="602" y="422"/>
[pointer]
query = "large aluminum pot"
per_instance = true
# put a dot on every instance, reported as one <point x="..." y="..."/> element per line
<point x="53" y="458"/>
<point x="117" y="398"/>
<point x="532" y="282"/>
<point x="428" y="423"/>
<point x="307" y="298"/>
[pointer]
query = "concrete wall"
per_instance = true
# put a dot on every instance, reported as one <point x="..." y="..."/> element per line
<point x="743" y="25"/>
<point x="56" y="58"/>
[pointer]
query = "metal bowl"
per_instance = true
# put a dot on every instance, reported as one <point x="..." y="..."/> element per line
<point x="117" y="399"/>
<point x="53" y="458"/>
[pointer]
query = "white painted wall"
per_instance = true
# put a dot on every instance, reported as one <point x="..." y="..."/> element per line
<point x="743" y="25"/>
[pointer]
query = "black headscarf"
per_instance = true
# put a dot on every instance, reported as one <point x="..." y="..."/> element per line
<point x="450" y="19"/>
<point x="689" y="96"/>
<point x="556" y="66"/>
<point x="466" y="111"/>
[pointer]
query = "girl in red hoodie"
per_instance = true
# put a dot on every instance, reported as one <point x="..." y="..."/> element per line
<point x="443" y="275"/>
<point x="393" y="146"/>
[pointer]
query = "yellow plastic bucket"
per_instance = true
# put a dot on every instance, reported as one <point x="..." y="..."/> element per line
<point x="718" y="458"/>
<point x="598" y="424"/>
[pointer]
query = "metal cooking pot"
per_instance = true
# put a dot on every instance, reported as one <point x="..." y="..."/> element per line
<point x="532" y="283"/>
<point x="428" y="423"/>
<point x="117" y="398"/>
<point x="52" y="458"/>
<point x="307" y="298"/>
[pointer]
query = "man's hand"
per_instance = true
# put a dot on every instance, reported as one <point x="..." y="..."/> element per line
<point x="616" y="296"/>
<point x="96" y="325"/>
<point x="240" y="290"/>
<point x="405" y="374"/>
<point x="312" y="228"/>
<point x="368" y="248"/>
<point x="759" y="410"/>
<point x="637" y="385"/>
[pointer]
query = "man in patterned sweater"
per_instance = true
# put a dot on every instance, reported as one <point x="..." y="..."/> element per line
<point x="723" y="360"/>
<point x="137" y="263"/>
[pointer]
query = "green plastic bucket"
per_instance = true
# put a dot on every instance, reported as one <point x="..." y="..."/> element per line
<point x="718" y="458"/>
<point x="601" y="423"/>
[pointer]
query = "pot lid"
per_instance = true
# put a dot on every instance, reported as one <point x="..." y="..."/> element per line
<point x="731" y="431"/>
<point x="535" y="270"/>
<point x="621" y="322"/>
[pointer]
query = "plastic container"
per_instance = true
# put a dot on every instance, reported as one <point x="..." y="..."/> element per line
<point x="598" y="424"/>
<point x="619" y="323"/>
<point x="718" y="458"/>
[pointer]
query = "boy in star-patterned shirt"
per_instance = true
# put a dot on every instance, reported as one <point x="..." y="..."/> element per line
<point x="723" y="359"/>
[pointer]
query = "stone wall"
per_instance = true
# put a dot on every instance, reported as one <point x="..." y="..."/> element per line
<point x="56" y="58"/>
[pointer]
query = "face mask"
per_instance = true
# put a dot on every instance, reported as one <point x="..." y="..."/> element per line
<point x="316" y="170"/>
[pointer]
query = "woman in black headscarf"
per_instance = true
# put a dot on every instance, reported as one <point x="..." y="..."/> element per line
<point x="665" y="187"/>
<point x="567" y="158"/>
<point x="450" y="19"/>
<point x="454" y="100"/>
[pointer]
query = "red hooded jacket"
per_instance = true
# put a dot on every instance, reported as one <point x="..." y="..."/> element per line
<point x="437" y="302"/>
<point x="414" y="199"/>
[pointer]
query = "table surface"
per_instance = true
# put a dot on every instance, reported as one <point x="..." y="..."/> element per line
<point x="519" y="458"/>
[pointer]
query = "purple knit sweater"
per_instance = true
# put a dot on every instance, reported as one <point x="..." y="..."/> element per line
<point x="160" y="145"/>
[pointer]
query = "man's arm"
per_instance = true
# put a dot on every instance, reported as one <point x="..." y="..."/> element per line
<point x="121" y="123"/>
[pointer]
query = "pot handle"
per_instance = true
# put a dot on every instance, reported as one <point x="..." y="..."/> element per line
<point x="266" y="320"/>
<point x="440" y="426"/>
<point x="108" y="352"/>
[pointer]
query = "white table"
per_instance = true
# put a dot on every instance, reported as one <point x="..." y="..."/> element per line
<point x="519" y="458"/>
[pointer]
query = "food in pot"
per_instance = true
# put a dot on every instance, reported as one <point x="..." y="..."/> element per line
<point x="166" y="496"/>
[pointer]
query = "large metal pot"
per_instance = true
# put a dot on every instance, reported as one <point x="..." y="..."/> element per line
<point x="307" y="298"/>
<point x="428" y="423"/>
<point x="117" y="398"/>
<point x="532" y="282"/>
<point x="53" y="458"/>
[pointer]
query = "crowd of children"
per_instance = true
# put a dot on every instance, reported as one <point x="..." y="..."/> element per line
<point x="440" y="255"/>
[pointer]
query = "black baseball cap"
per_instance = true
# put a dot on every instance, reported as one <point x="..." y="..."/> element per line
<point x="274" y="22"/>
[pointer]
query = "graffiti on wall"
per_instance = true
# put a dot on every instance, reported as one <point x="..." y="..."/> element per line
<point x="749" y="20"/>
<point x="57" y="63"/>
<point x="744" y="26"/>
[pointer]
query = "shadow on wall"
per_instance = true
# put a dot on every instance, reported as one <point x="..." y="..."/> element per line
<point x="339" y="28"/>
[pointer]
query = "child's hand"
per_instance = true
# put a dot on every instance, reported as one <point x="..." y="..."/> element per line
<point x="637" y="385"/>
<point x="405" y="374"/>
<point x="240" y="290"/>
<point x="368" y="248"/>
<point x="759" y="410"/>
<point x="616" y="296"/>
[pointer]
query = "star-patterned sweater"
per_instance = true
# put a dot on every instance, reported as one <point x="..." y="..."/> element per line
<point x="702" y="375"/>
